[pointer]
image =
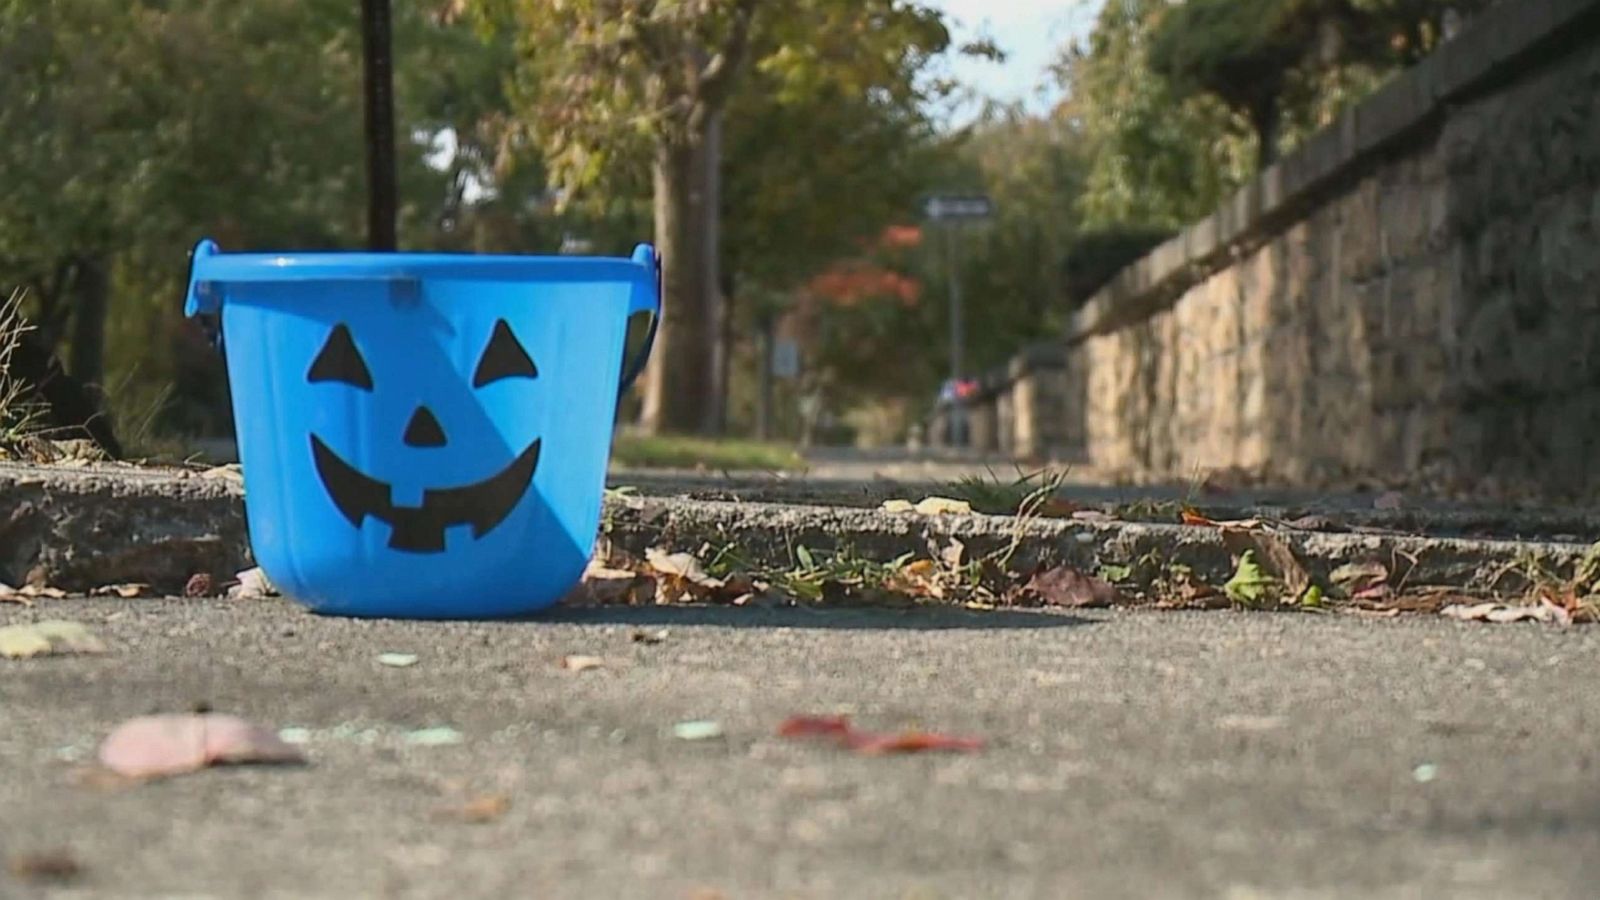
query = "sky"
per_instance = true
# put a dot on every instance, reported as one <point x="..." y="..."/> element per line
<point x="1029" y="31"/>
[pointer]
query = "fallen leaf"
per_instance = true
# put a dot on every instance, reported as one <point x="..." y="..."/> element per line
<point x="161" y="745"/>
<point x="1249" y="585"/>
<point x="1066" y="586"/>
<point x="1509" y="614"/>
<point x="253" y="585"/>
<point x="839" y="729"/>
<point x="1272" y="553"/>
<point x="679" y="565"/>
<point x="913" y="742"/>
<point x="1477" y="611"/>
<point x="898" y="506"/>
<point x="479" y="810"/>
<point x="582" y="663"/>
<point x="939" y="506"/>
<point x="1093" y="515"/>
<point x="397" y="660"/>
<point x="29" y="592"/>
<point x="1058" y="508"/>
<point x="605" y="584"/>
<point x="53" y="865"/>
<point x="442" y="736"/>
<point x="54" y="636"/>
<point x="199" y="584"/>
<point x="1191" y="516"/>
<point x="226" y="472"/>
<point x="814" y="726"/>
<point x="1354" y="577"/>
<point x="649" y="637"/>
<point x="697" y="731"/>
<point x="1389" y="500"/>
<point x="125" y="591"/>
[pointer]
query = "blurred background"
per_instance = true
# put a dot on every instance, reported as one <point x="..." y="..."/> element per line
<point x="781" y="154"/>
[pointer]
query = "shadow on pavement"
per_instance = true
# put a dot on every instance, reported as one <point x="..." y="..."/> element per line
<point x="859" y="619"/>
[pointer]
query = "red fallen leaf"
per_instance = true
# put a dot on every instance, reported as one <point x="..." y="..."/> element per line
<point x="872" y="743"/>
<point x="814" y="726"/>
<point x="157" y="746"/>
<point x="1192" y="516"/>
<point x="1066" y="586"/>
<point x="912" y="742"/>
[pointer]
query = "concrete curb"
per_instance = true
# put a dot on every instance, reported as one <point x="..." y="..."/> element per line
<point x="80" y="528"/>
<point x="766" y="535"/>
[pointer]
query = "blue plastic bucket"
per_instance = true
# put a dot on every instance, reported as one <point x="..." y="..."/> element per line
<point x="424" y="435"/>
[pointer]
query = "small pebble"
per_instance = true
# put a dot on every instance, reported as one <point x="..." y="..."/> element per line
<point x="1425" y="773"/>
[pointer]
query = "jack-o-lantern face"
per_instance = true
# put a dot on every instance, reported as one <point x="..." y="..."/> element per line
<point x="420" y="529"/>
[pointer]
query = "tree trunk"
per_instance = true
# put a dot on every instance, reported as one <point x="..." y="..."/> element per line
<point x="680" y="390"/>
<point x="764" y="403"/>
<point x="90" y="288"/>
<point x="1266" y="117"/>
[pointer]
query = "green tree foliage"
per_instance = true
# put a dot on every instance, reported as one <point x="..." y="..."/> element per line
<point x="134" y="127"/>
<point x="1158" y="160"/>
<point x="1245" y="53"/>
<point x="609" y="84"/>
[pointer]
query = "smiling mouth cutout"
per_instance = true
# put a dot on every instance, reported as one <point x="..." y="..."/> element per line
<point x="420" y="529"/>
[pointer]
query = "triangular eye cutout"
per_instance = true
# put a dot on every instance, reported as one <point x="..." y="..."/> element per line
<point x="341" y="361"/>
<point x="503" y="358"/>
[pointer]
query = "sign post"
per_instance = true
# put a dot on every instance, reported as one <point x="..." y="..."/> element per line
<point x="951" y="211"/>
<point x="378" y="73"/>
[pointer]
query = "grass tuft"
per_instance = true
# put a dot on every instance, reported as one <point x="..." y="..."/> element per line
<point x="638" y="451"/>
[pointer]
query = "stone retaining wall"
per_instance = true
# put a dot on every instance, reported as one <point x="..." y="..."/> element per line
<point x="1417" y="288"/>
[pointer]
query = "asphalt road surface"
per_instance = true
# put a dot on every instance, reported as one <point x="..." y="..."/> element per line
<point x="1130" y="754"/>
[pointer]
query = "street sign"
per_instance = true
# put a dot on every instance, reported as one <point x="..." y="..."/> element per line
<point x="958" y="207"/>
<point x="786" y="359"/>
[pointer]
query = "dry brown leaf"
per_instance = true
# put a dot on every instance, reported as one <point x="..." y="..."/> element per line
<point x="603" y="584"/>
<point x="479" y="810"/>
<point x="52" y="593"/>
<point x="47" y="638"/>
<point x="253" y="585"/>
<point x="578" y="663"/>
<point x="161" y="745"/>
<point x="1066" y="586"/>
<point x="1272" y="553"/>
<point x="9" y="594"/>
<point x="939" y="506"/>
<point x="1191" y="516"/>
<point x="199" y="584"/>
<point x="53" y="865"/>
<point x="1476" y="611"/>
<point x="125" y="591"/>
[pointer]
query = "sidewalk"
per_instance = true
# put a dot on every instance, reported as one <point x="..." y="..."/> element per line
<point x="1130" y="754"/>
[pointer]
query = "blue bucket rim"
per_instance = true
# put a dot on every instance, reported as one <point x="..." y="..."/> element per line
<point x="210" y="266"/>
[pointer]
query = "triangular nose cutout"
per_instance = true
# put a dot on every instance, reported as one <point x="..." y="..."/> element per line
<point x="424" y="430"/>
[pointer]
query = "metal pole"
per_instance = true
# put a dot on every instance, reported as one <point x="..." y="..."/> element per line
<point x="379" y="78"/>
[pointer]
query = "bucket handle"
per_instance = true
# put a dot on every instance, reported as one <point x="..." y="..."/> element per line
<point x="646" y="298"/>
